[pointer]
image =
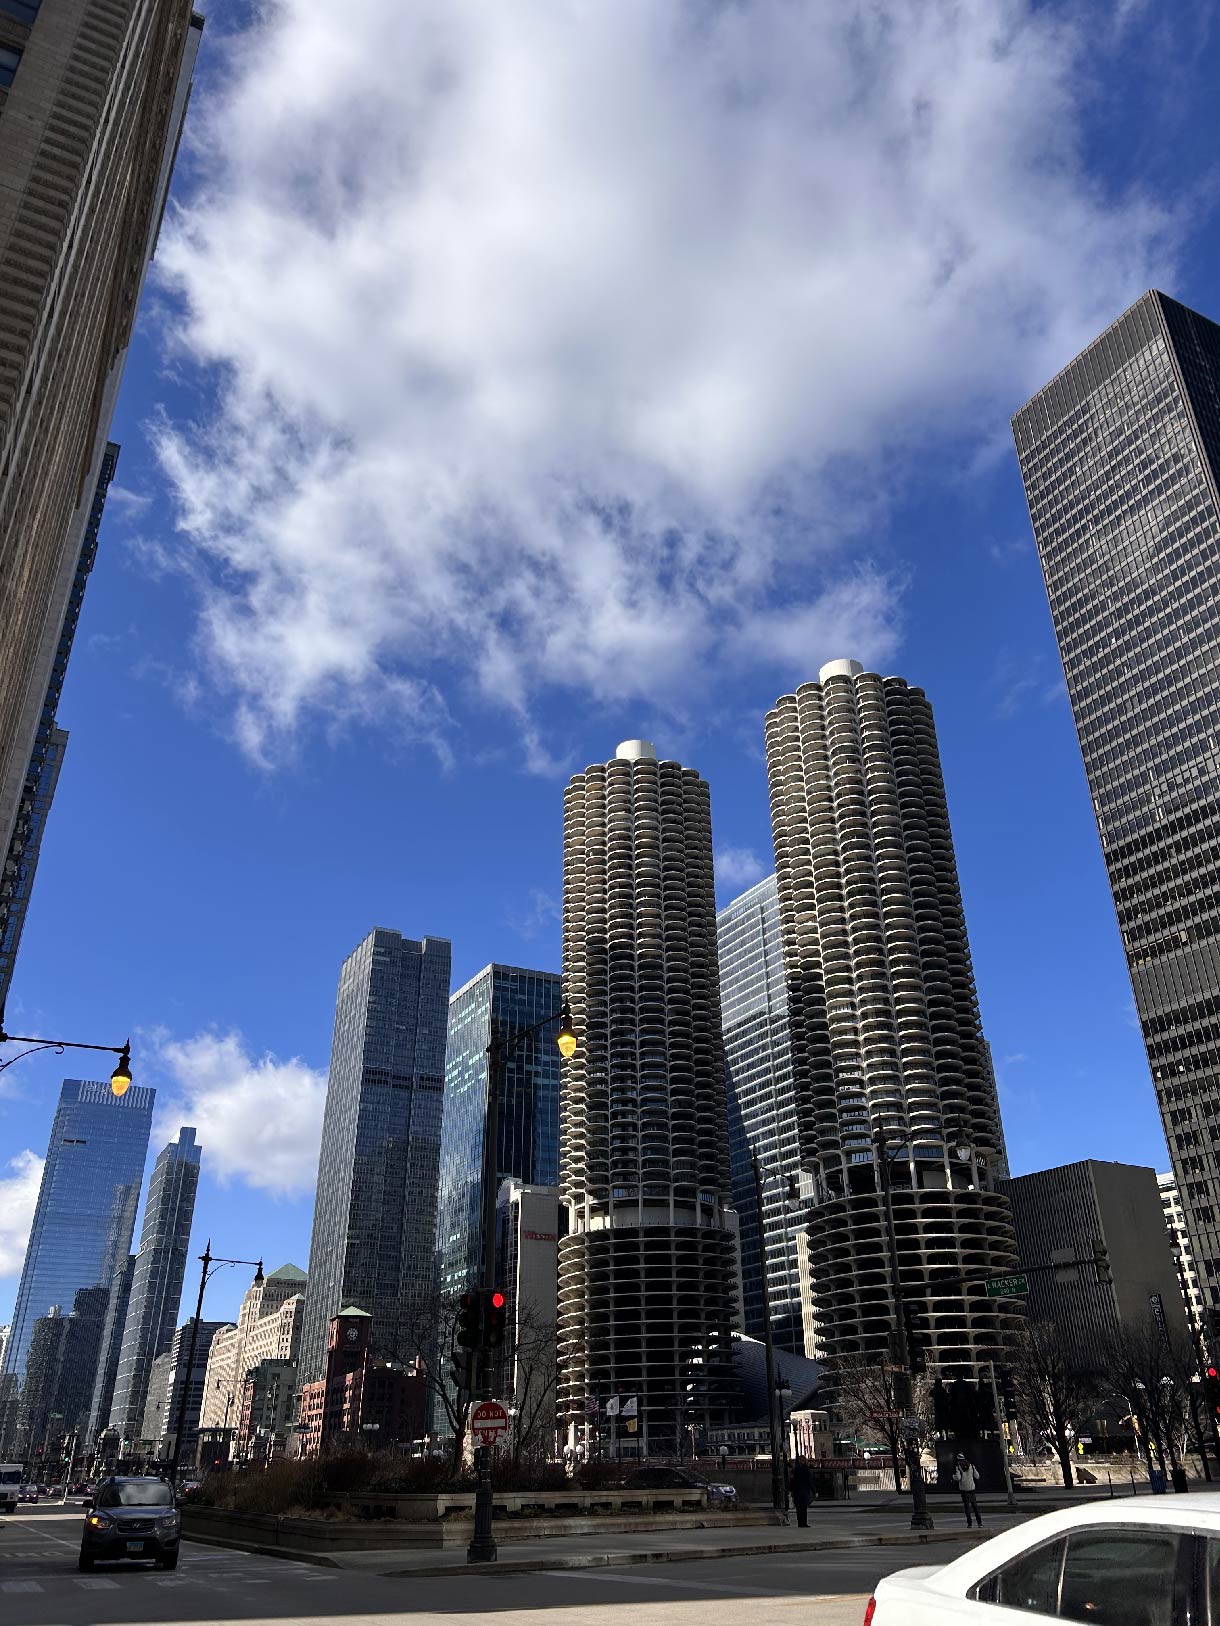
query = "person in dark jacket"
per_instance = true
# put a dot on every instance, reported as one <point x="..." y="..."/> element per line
<point x="801" y="1486"/>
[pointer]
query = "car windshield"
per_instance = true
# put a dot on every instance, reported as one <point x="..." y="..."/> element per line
<point x="136" y="1493"/>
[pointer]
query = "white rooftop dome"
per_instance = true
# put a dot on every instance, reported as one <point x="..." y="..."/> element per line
<point x="637" y="751"/>
<point x="840" y="669"/>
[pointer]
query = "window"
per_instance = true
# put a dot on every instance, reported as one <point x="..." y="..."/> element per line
<point x="9" y="59"/>
<point x="1029" y="1583"/>
<point x="1120" y="1578"/>
<point x="25" y="11"/>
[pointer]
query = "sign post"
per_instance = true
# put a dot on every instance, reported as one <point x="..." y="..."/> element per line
<point x="488" y="1422"/>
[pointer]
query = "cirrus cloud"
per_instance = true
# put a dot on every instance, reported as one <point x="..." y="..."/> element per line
<point x="569" y="346"/>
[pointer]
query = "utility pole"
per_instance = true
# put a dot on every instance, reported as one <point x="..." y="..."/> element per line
<point x="995" y="1408"/>
<point x="779" y="1497"/>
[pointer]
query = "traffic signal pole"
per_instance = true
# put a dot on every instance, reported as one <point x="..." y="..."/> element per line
<point x="995" y="1407"/>
<point x="482" y="1548"/>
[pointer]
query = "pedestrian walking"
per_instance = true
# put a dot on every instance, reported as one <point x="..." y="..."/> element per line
<point x="801" y="1487"/>
<point x="967" y="1481"/>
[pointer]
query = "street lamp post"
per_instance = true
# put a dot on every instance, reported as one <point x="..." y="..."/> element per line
<point x="120" y="1079"/>
<point x="210" y="1266"/>
<point x="779" y="1489"/>
<point x="482" y="1548"/>
<point x="921" y="1519"/>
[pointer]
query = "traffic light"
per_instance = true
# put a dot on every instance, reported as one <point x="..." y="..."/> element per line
<point x="1008" y="1391"/>
<point x="470" y="1321"/>
<point x="917" y="1338"/>
<point x="495" y="1317"/>
<point x="1211" y="1389"/>
<point x="1101" y="1263"/>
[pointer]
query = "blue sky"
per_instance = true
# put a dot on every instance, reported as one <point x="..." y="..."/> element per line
<point x="503" y="393"/>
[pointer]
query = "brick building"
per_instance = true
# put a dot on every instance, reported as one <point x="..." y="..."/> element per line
<point x="362" y="1398"/>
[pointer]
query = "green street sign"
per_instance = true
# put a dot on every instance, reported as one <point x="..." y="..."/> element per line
<point x="1007" y="1287"/>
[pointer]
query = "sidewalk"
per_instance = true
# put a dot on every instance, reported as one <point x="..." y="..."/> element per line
<point x="841" y="1524"/>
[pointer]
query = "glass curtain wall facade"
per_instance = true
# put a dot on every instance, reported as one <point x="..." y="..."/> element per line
<point x="762" y="1108"/>
<point x="156" y="1289"/>
<point x="86" y="1209"/>
<point x="374" y="1226"/>
<point x="111" y="1347"/>
<point x="884" y="1023"/>
<point x="648" y="1269"/>
<point x="1120" y="456"/>
<point x="528" y="1142"/>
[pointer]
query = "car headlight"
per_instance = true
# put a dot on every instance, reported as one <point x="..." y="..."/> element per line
<point x="99" y="1521"/>
<point x="169" y="1522"/>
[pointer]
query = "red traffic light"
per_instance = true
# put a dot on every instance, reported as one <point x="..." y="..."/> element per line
<point x="498" y="1301"/>
<point x="1212" y="1373"/>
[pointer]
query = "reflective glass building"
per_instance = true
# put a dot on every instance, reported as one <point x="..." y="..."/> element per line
<point x="374" y="1222"/>
<point x="1120" y="455"/>
<point x="528" y="1146"/>
<point x="86" y="1209"/>
<point x="111" y="1347"/>
<point x="156" y="1288"/>
<point x="762" y="1106"/>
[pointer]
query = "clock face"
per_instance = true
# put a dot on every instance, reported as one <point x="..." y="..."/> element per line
<point x="352" y="1334"/>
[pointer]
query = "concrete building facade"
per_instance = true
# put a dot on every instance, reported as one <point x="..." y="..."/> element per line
<point x="268" y="1329"/>
<point x="92" y="101"/>
<point x="374" y="1223"/>
<point x="1179" y="1242"/>
<point x="647" y="1269"/>
<point x="884" y="1023"/>
<point x="1060" y="1214"/>
<point x="762" y="1110"/>
<point x="1120" y="456"/>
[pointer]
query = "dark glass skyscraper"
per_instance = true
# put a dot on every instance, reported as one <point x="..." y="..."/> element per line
<point x="374" y="1222"/>
<point x="529" y="1106"/>
<point x="156" y="1288"/>
<point x="762" y="1107"/>
<point x="111" y="1347"/>
<point x="86" y="1209"/>
<point x="1120" y="455"/>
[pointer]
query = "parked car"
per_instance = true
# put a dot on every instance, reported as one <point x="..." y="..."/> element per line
<point x="1139" y="1561"/>
<point x="131" y="1518"/>
<point x="718" y="1494"/>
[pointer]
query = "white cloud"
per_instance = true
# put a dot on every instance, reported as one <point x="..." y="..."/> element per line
<point x="259" y="1119"/>
<point x="18" y="1195"/>
<point x="559" y="345"/>
<point x="738" y="867"/>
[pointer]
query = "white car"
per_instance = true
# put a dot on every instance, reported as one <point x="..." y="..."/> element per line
<point x="1137" y="1561"/>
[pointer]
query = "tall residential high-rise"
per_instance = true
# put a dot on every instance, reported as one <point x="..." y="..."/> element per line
<point x="268" y="1328"/>
<point x="46" y="758"/>
<point x="156" y="1288"/>
<point x="647" y="1271"/>
<point x="111" y="1347"/>
<point x="1120" y="455"/>
<point x="528" y="1143"/>
<point x="92" y="98"/>
<point x="86" y="1208"/>
<point x="374" y="1218"/>
<point x="762" y="1108"/>
<point x="59" y="1371"/>
<point x="884" y="1022"/>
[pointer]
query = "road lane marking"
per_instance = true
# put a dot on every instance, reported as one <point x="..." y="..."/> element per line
<point x="97" y="1584"/>
<point x="20" y="1586"/>
<point x="684" y="1586"/>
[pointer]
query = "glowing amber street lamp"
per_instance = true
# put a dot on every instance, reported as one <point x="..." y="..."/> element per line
<point x="566" y="1037"/>
<point x="120" y="1079"/>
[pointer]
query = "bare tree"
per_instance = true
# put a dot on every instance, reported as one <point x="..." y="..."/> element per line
<point x="429" y="1336"/>
<point x="867" y="1397"/>
<point x="535" y="1368"/>
<point x="1057" y="1386"/>
<point x="1151" y="1371"/>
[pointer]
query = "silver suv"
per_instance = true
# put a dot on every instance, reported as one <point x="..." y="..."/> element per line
<point x="131" y="1518"/>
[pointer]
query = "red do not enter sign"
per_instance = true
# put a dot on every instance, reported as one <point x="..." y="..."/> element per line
<point x="488" y="1421"/>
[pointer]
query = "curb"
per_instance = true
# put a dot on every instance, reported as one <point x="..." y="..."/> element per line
<point x="583" y="1561"/>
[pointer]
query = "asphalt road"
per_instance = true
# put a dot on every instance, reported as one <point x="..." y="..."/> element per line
<point x="40" y="1586"/>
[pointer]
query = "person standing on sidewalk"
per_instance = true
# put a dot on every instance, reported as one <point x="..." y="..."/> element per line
<point x="967" y="1482"/>
<point x="801" y="1487"/>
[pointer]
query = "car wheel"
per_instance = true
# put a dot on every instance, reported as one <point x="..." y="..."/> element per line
<point x="169" y="1562"/>
<point x="86" y="1561"/>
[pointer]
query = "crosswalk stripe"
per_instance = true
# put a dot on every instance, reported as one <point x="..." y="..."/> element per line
<point x="20" y="1586"/>
<point x="97" y="1584"/>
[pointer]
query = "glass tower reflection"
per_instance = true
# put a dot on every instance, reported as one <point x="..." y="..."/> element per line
<point x="528" y="1147"/>
<point x="87" y="1201"/>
